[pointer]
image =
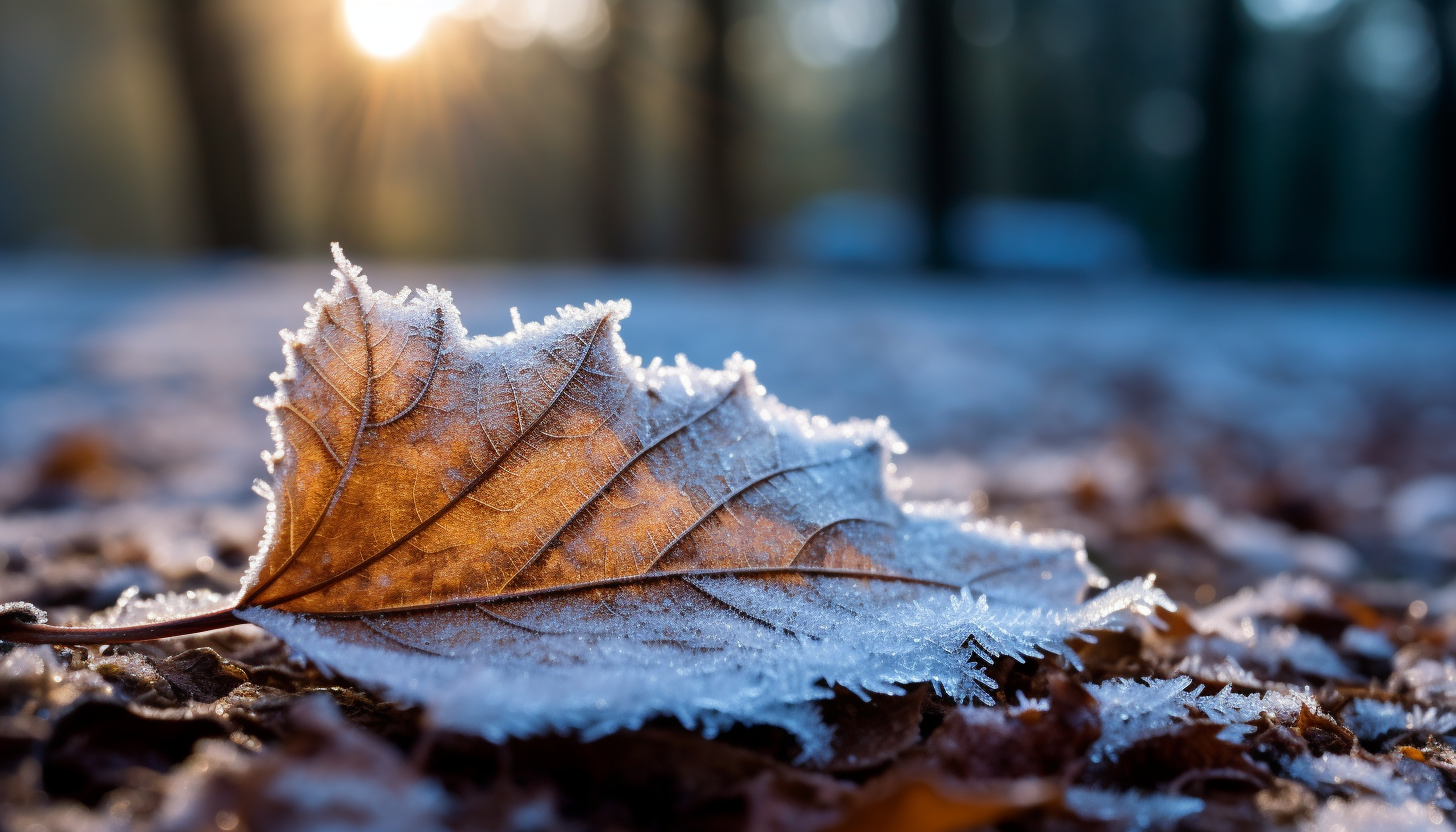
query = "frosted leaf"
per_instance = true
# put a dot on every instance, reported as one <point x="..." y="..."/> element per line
<point x="1370" y="644"/>
<point x="1278" y="597"/>
<point x="1134" y="810"/>
<point x="536" y="532"/>
<point x="1224" y="671"/>
<point x="742" y="653"/>
<point x="1268" y="648"/>
<point x="1132" y="711"/>
<point x="1373" y="720"/>
<point x="1355" y="777"/>
<point x="1375" y="815"/>
<point x="1430" y="680"/>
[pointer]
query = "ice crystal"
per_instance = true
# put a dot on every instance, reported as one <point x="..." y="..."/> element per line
<point x="1374" y="815"/>
<point x="1356" y="776"/>
<point x="709" y="665"/>
<point x="1373" y="720"/>
<point x="1133" y="711"/>
<point x="1430" y="680"/>
<point x="1134" y="811"/>
<point x="1278" y="597"/>
<point x="1243" y="629"/>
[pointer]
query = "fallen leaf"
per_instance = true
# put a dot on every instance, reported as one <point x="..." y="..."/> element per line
<point x="537" y="532"/>
<point x="934" y="806"/>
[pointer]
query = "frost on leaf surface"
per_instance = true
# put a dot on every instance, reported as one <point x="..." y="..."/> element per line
<point x="537" y="532"/>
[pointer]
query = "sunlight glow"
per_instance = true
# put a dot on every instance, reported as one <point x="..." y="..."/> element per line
<point x="390" y="28"/>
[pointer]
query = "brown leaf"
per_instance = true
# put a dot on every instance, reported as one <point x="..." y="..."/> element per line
<point x="201" y="674"/>
<point x="975" y="744"/>
<point x="926" y="805"/>
<point x="1186" y="758"/>
<point x="418" y="469"/>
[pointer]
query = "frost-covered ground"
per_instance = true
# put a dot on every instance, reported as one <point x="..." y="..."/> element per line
<point x="1222" y="435"/>
<point x="1280" y="426"/>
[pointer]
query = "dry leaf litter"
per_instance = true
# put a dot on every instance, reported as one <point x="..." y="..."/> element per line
<point x="1306" y="680"/>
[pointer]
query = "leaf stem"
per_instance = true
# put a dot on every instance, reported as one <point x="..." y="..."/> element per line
<point x="18" y="631"/>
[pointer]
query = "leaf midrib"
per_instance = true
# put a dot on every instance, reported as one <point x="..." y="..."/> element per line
<point x="652" y="577"/>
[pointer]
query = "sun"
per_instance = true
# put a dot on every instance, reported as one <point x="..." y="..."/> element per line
<point x="390" y="28"/>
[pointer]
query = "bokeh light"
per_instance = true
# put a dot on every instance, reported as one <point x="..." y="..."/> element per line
<point x="1393" y="53"/>
<point x="833" y="33"/>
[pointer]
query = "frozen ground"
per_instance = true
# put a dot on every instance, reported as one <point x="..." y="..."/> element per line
<point x="1319" y="409"/>
<point x="994" y="368"/>
<point x="1221" y="435"/>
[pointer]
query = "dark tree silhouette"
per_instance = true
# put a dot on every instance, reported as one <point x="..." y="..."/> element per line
<point x="716" y="210"/>
<point x="931" y="26"/>
<point x="1218" y="163"/>
<point x="217" y="115"/>
<point x="608" y="187"/>
<point x="1440" y="186"/>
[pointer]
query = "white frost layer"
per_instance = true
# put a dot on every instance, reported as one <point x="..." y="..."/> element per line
<point x="131" y="609"/>
<point x="1373" y="720"/>
<point x="1398" y="782"/>
<point x="1132" y="711"/>
<point x="734" y="671"/>
<point x="1375" y="815"/>
<point x="1136" y="811"/>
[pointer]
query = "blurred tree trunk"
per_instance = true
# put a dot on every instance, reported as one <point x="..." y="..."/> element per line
<point x="212" y="97"/>
<point x="1440" y="209"/>
<point x="608" y="188"/>
<point x="718" y="233"/>
<point x="1218" y="170"/>
<point x="931" y="29"/>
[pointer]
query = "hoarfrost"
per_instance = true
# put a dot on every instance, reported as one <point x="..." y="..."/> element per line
<point x="1135" y="810"/>
<point x="1355" y="776"/>
<point x="538" y="532"/>
<point x="1278" y="597"/>
<point x="131" y="609"/>
<point x="1373" y="720"/>
<point x="1132" y="711"/>
<point x="1430" y="680"/>
<point x="708" y="666"/>
<point x="1241" y="629"/>
<point x="1374" y="815"/>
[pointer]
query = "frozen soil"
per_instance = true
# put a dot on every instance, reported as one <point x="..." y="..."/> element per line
<point x="1283" y="458"/>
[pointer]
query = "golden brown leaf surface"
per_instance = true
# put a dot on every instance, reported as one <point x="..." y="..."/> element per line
<point x="419" y="468"/>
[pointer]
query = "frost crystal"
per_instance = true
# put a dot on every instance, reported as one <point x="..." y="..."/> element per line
<point x="1356" y="776"/>
<point x="1133" y="711"/>
<point x="1373" y="720"/>
<point x="1430" y="679"/>
<point x="1373" y="815"/>
<point x="1136" y="811"/>
<point x="708" y="665"/>
<point x="1240" y="629"/>
<point x="538" y="532"/>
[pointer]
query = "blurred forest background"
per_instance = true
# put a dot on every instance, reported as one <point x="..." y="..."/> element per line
<point x="1109" y="136"/>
